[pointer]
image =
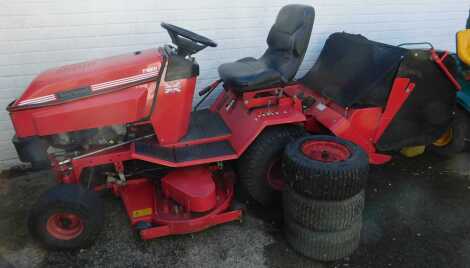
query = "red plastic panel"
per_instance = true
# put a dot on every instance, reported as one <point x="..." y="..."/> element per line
<point x="117" y="107"/>
<point x="193" y="188"/>
<point x="170" y="120"/>
<point x="138" y="196"/>
<point x="366" y="120"/>
<point x="246" y="124"/>
<point x="93" y="72"/>
<point x="169" y="220"/>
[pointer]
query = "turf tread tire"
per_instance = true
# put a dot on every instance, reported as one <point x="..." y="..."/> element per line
<point x="322" y="246"/>
<point x="318" y="180"/>
<point x="323" y="216"/>
<point x="67" y="198"/>
<point x="253" y="164"/>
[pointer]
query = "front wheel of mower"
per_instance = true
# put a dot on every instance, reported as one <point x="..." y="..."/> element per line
<point x="453" y="141"/>
<point x="67" y="217"/>
<point x="259" y="168"/>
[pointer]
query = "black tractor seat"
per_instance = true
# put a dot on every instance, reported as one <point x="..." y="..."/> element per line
<point x="287" y="42"/>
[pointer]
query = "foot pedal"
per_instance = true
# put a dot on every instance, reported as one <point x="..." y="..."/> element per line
<point x="193" y="188"/>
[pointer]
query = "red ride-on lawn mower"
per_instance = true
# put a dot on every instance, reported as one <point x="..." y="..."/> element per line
<point x="126" y="124"/>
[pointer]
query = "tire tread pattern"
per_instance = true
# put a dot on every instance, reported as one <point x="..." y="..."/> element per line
<point x="325" y="181"/>
<point x="323" y="246"/>
<point x="67" y="197"/>
<point x="254" y="162"/>
<point x="323" y="215"/>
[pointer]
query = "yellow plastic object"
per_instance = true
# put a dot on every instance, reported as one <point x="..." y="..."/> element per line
<point x="445" y="139"/>
<point x="463" y="46"/>
<point x="413" y="151"/>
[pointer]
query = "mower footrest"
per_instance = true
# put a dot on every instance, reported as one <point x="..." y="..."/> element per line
<point x="205" y="124"/>
<point x="187" y="153"/>
<point x="202" y="151"/>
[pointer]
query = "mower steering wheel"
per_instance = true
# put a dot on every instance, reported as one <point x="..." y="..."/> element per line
<point x="190" y="43"/>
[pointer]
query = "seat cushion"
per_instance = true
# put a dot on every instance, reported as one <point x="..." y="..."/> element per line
<point x="248" y="74"/>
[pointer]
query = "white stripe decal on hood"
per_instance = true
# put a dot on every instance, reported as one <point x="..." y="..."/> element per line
<point x="96" y="87"/>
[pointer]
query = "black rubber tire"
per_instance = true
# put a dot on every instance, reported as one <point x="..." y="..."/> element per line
<point x="322" y="246"/>
<point x="332" y="181"/>
<point x="73" y="199"/>
<point x="324" y="216"/>
<point x="460" y="130"/>
<point x="252" y="167"/>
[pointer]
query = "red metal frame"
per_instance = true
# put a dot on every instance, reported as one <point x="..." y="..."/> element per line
<point x="246" y="124"/>
<point x="440" y="62"/>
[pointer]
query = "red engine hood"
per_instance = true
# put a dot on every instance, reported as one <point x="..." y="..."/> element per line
<point x="94" y="75"/>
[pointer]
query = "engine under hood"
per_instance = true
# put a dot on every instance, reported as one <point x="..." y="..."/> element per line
<point x="86" y="78"/>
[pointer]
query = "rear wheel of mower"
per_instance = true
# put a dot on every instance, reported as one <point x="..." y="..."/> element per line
<point x="325" y="167"/>
<point x="259" y="168"/>
<point x="453" y="141"/>
<point x="324" y="216"/>
<point x="322" y="246"/>
<point x="67" y="217"/>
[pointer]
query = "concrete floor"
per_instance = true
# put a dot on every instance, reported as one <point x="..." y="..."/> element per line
<point x="416" y="216"/>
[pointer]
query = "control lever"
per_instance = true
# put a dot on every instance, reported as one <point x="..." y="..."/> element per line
<point x="206" y="92"/>
<point x="210" y="87"/>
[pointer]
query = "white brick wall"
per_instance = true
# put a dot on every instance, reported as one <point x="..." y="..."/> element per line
<point x="39" y="34"/>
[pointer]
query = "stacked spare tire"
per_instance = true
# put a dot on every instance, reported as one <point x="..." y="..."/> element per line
<point x="324" y="196"/>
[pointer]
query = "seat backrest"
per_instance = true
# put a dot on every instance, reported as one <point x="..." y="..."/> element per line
<point x="288" y="39"/>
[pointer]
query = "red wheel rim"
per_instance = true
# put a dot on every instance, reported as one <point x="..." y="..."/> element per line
<point x="325" y="151"/>
<point x="274" y="176"/>
<point x="64" y="226"/>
